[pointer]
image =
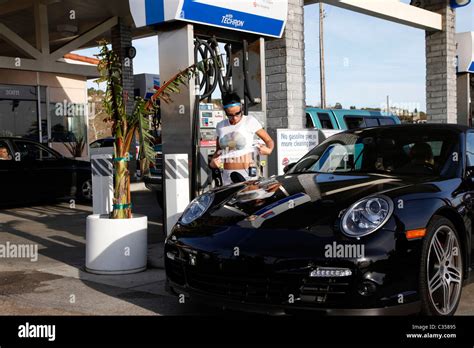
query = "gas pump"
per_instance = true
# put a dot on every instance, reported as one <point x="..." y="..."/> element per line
<point x="209" y="116"/>
<point x="229" y="37"/>
<point x="224" y="72"/>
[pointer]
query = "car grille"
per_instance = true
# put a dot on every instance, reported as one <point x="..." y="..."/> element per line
<point x="326" y="290"/>
<point x="275" y="290"/>
<point x="267" y="289"/>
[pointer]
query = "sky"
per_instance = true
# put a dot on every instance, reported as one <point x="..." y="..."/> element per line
<point x="367" y="59"/>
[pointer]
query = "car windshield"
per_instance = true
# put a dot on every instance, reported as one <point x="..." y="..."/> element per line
<point x="396" y="151"/>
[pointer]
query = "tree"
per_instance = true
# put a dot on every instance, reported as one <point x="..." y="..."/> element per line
<point x="338" y="106"/>
<point x="124" y="126"/>
<point x="353" y="107"/>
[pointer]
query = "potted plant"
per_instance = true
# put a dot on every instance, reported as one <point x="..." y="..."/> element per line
<point x="117" y="243"/>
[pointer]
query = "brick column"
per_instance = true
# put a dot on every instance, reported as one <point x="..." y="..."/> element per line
<point x="441" y="96"/>
<point x="285" y="78"/>
<point x="121" y="40"/>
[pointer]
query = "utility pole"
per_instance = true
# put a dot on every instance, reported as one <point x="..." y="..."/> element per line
<point x="321" y="55"/>
<point x="388" y="103"/>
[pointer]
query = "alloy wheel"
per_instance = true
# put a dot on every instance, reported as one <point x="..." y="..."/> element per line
<point x="444" y="270"/>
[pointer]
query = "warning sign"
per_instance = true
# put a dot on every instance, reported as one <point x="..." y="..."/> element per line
<point x="294" y="144"/>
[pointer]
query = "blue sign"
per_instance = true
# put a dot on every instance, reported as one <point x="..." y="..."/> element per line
<point x="263" y="17"/>
<point x="459" y="3"/>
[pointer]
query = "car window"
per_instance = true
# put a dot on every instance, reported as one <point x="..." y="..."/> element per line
<point x="435" y="146"/>
<point x="470" y="149"/>
<point x="380" y="150"/>
<point x="95" y="145"/>
<point x="371" y="122"/>
<point x="386" y="121"/>
<point x="5" y="153"/>
<point x="309" y="121"/>
<point x="339" y="158"/>
<point x="354" y="122"/>
<point x="32" y="151"/>
<point x="108" y="143"/>
<point x="325" y="121"/>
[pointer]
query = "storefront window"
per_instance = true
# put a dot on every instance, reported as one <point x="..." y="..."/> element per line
<point x="19" y="112"/>
<point x="68" y="123"/>
<point x="19" y="118"/>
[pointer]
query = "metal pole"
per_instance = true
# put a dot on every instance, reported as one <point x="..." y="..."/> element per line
<point x="40" y="118"/>
<point x="388" y="103"/>
<point x="321" y="55"/>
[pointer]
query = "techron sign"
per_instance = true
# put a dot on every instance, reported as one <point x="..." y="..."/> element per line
<point x="263" y="17"/>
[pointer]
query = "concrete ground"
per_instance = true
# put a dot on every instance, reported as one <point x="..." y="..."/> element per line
<point x="56" y="283"/>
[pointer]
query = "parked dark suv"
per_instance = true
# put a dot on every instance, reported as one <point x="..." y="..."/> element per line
<point x="32" y="172"/>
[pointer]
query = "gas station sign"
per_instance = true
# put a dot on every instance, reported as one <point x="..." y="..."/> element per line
<point x="459" y="3"/>
<point x="262" y="17"/>
<point x="292" y="145"/>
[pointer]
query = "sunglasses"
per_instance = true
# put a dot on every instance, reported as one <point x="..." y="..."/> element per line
<point x="235" y="115"/>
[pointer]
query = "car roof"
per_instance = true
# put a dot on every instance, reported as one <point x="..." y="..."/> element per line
<point x="350" y="112"/>
<point x="18" y="138"/>
<point x="420" y="127"/>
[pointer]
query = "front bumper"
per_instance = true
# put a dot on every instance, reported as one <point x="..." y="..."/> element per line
<point x="289" y="309"/>
<point x="277" y="276"/>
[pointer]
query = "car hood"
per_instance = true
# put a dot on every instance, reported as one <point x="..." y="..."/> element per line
<point x="298" y="201"/>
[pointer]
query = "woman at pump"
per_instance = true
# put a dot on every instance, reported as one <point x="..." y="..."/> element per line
<point x="235" y="138"/>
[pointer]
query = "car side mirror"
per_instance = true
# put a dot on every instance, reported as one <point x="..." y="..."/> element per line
<point x="290" y="166"/>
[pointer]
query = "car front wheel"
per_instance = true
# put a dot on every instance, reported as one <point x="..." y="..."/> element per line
<point x="85" y="190"/>
<point x="441" y="274"/>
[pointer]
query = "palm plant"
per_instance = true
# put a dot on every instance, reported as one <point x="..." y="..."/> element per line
<point x="125" y="126"/>
<point x="77" y="147"/>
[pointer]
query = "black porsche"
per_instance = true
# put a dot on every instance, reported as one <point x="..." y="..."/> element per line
<point x="373" y="221"/>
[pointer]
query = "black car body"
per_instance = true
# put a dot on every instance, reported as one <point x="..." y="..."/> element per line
<point x="33" y="172"/>
<point x="288" y="244"/>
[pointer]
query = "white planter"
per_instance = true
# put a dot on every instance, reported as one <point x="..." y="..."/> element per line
<point x="116" y="246"/>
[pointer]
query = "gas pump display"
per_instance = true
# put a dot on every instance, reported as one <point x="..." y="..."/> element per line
<point x="209" y="116"/>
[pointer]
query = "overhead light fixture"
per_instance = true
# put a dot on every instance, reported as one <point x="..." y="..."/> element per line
<point x="67" y="30"/>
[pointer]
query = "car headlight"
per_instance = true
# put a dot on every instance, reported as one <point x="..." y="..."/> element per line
<point x="366" y="216"/>
<point x="196" y="208"/>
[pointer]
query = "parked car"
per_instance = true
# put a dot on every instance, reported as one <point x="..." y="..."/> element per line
<point x="101" y="143"/>
<point x="335" y="120"/>
<point x="32" y="172"/>
<point x="105" y="146"/>
<point x="371" y="221"/>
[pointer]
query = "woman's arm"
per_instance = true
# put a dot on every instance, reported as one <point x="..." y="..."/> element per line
<point x="215" y="161"/>
<point x="266" y="149"/>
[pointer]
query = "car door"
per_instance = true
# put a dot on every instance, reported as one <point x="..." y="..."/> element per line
<point x="51" y="174"/>
<point x="12" y="175"/>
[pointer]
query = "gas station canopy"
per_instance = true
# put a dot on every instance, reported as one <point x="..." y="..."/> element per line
<point x="262" y="17"/>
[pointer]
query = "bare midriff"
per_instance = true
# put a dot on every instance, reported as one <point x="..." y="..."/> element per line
<point x="242" y="162"/>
